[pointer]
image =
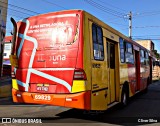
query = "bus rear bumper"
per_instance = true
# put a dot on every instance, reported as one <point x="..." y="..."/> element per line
<point x="77" y="100"/>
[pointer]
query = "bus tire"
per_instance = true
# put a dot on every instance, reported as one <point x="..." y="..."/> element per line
<point x="124" y="97"/>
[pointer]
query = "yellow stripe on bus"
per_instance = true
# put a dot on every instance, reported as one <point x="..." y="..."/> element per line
<point x="14" y="84"/>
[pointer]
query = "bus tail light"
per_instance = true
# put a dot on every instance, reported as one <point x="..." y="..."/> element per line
<point x="79" y="74"/>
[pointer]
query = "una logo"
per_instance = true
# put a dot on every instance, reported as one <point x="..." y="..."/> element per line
<point x="57" y="58"/>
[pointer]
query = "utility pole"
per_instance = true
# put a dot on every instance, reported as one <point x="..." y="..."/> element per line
<point x="130" y="24"/>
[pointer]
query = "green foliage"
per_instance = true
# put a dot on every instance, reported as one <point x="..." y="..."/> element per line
<point x="156" y="54"/>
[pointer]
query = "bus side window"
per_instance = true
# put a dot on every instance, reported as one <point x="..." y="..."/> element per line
<point x="98" y="47"/>
<point x="122" y="50"/>
<point x="146" y="58"/>
<point x="129" y="53"/>
<point x="142" y="57"/>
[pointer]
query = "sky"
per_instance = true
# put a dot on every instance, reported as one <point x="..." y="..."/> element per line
<point x="145" y="14"/>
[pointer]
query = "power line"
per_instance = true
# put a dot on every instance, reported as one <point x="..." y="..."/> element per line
<point x="147" y="26"/>
<point x="143" y="14"/>
<point x="142" y="27"/>
<point x="20" y="11"/>
<point x="112" y="5"/>
<point x="146" y="35"/>
<point x="53" y="4"/>
<point x="146" y="39"/>
<point x="105" y="9"/>
<point x="118" y="24"/>
<point x="18" y="15"/>
<point x="20" y="8"/>
<point x="15" y="15"/>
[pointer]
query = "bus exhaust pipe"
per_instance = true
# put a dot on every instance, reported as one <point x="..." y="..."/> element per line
<point x="14" y="35"/>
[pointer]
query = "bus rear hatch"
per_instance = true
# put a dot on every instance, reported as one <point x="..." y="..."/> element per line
<point x="49" y="51"/>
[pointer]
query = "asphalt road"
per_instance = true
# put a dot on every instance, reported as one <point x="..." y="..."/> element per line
<point x="142" y="109"/>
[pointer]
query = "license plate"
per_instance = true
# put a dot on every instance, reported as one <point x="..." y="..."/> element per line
<point x="42" y="87"/>
<point x="42" y="97"/>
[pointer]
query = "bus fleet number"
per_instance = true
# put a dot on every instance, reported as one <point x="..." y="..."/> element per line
<point x="43" y="97"/>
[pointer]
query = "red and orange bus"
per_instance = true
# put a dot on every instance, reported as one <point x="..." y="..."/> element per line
<point x="72" y="59"/>
<point x="154" y="62"/>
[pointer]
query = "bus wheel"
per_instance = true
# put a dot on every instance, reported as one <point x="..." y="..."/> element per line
<point x="124" y="98"/>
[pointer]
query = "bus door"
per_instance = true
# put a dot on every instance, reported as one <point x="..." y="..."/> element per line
<point x="137" y="64"/>
<point x="111" y="72"/>
<point x="98" y="69"/>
